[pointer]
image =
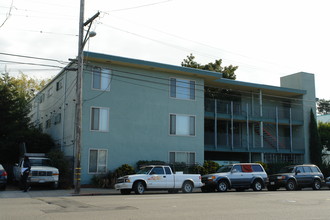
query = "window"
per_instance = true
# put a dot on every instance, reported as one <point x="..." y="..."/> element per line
<point x="48" y="123"/>
<point x="100" y="119"/>
<point x="183" y="125"/>
<point x="41" y="98"/>
<point x="97" y="161"/>
<point x="58" y="118"/>
<point x="237" y="168"/>
<point x="167" y="171"/>
<point x="182" y="157"/>
<point x="307" y="169"/>
<point x="101" y="79"/>
<point x="182" y="89"/>
<point x="50" y="92"/>
<point x="157" y="170"/>
<point x="300" y="170"/>
<point x="59" y="85"/>
<point x="257" y="168"/>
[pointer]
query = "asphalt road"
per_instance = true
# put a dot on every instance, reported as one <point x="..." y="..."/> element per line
<point x="305" y="204"/>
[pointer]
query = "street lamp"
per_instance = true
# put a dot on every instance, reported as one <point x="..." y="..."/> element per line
<point x="81" y="43"/>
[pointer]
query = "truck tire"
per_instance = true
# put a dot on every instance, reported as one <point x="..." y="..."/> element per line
<point x="139" y="188"/>
<point x="187" y="187"/>
<point x="257" y="185"/>
<point x="316" y="185"/>
<point x="125" y="191"/>
<point x="291" y="185"/>
<point x="222" y="186"/>
<point x="54" y="185"/>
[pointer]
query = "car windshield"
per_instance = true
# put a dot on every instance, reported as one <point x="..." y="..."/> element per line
<point x="40" y="162"/>
<point x="144" y="170"/>
<point x="225" y="169"/>
<point x="287" y="170"/>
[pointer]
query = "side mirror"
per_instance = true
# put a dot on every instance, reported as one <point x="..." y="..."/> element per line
<point x="298" y="171"/>
<point x="234" y="170"/>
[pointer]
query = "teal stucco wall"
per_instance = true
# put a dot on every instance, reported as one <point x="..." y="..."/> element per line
<point x="140" y="104"/>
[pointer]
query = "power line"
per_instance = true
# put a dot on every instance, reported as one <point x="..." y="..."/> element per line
<point x="139" y="6"/>
<point x="33" y="64"/>
<point x="37" y="58"/>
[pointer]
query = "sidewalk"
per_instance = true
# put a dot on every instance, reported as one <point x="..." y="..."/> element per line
<point x="15" y="193"/>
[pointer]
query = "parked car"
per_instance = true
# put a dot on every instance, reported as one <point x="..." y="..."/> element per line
<point x="158" y="177"/>
<point x="297" y="177"/>
<point x="238" y="176"/>
<point x="41" y="170"/>
<point x="3" y="178"/>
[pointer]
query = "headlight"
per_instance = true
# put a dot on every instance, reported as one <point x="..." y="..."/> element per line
<point x="281" y="177"/>
<point x="211" y="177"/>
<point x="127" y="180"/>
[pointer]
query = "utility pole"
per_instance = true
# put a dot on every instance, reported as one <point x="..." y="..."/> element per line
<point x="81" y="43"/>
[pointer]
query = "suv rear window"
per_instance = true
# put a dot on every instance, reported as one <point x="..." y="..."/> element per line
<point x="307" y="169"/>
<point x="247" y="168"/>
<point x="315" y="169"/>
<point x="257" y="168"/>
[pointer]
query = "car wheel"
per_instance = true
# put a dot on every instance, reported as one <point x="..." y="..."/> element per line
<point x="222" y="186"/>
<point x="316" y="185"/>
<point x="187" y="187"/>
<point x="139" y="188"/>
<point x="291" y="185"/>
<point x="125" y="191"/>
<point x="55" y="185"/>
<point x="257" y="185"/>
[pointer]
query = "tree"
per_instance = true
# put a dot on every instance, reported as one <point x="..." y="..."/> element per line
<point x="324" y="131"/>
<point x="315" y="147"/>
<point x="323" y="107"/>
<point x="227" y="71"/>
<point x="14" y="108"/>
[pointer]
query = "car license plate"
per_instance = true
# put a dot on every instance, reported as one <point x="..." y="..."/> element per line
<point x="272" y="183"/>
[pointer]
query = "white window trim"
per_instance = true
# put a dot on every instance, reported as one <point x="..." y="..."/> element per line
<point x="110" y="79"/>
<point x="90" y="119"/>
<point x="169" y="153"/>
<point x="169" y="125"/>
<point x="169" y="91"/>
<point x="106" y="158"/>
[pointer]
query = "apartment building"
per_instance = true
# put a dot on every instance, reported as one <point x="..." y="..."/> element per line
<point x="139" y="110"/>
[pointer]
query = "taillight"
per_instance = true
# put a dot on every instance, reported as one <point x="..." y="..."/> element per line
<point x="4" y="173"/>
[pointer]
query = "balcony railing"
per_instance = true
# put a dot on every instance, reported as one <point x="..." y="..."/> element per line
<point x="253" y="110"/>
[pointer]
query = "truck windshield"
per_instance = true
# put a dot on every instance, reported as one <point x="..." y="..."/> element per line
<point x="144" y="170"/>
<point x="225" y="169"/>
<point x="40" y="162"/>
<point x="287" y="170"/>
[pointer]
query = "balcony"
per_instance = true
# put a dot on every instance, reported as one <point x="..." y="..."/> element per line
<point x="244" y="110"/>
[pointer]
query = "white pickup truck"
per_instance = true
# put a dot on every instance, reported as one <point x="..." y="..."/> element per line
<point x="158" y="177"/>
<point x="41" y="170"/>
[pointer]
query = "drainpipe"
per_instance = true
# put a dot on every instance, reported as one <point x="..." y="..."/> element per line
<point x="215" y="125"/>
<point x="261" y="125"/>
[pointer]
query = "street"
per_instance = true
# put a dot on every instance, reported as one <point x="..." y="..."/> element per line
<point x="305" y="204"/>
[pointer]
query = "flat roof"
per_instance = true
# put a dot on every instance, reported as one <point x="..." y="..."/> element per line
<point x="254" y="87"/>
<point x="105" y="58"/>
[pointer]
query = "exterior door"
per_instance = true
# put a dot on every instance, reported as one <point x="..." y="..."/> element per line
<point x="157" y="178"/>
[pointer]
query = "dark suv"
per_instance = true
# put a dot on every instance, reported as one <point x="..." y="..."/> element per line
<point x="297" y="177"/>
<point x="239" y="176"/>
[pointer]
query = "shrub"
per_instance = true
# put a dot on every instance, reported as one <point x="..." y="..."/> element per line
<point x="59" y="161"/>
<point x="210" y="166"/>
<point x="141" y="163"/>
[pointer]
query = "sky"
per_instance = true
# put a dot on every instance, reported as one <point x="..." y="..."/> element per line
<point x="267" y="39"/>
